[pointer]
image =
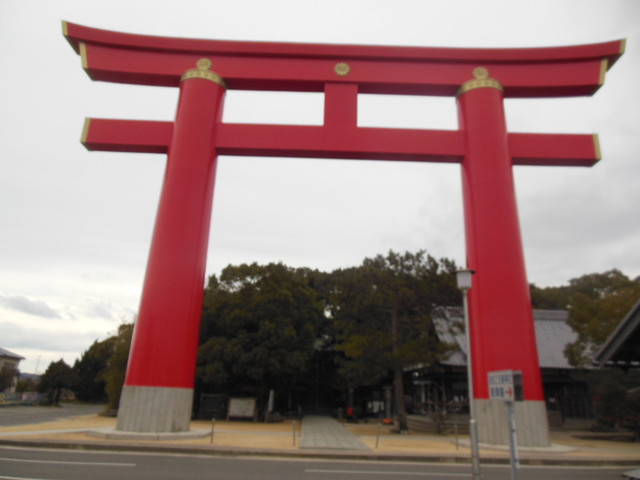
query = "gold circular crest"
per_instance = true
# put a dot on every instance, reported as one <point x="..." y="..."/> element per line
<point x="480" y="73"/>
<point x="204" y="64"/>
<point x="342" y="69"/>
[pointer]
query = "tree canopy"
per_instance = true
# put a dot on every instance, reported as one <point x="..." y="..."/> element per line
<point x="381" y="314"/>
<point x="7" y="375"/>
<point x="57" y="377"/>
<point x="258" y="329"/>
<point x="99" y="373"/>
<point x="116" y="370"/>
<point x="89" y="382"/>
<point x="596" y="303"/>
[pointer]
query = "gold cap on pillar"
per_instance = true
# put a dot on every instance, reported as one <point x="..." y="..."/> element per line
<point x="203" y="71"/>
<point x="481" y="80"/>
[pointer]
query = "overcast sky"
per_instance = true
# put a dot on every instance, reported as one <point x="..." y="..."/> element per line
<point x="76" y="225"/>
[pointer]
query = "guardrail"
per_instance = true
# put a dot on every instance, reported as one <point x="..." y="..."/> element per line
<point x="20" y="398"/>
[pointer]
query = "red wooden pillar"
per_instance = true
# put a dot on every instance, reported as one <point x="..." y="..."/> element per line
<point x="161" y="368"/>
<point x="501" y="318"/>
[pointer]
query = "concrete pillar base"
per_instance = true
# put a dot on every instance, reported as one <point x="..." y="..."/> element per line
<point x="154" y="409"/>
<point x="532" y="426"/>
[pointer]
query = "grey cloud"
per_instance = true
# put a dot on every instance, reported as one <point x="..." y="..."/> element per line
<point x="23" y="304"/>
<point x="100" y="310"/>
<point x="18" y="336"/>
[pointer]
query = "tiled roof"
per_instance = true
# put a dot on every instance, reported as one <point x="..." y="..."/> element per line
<point x="552" y="335"/>
<point x="6" y="353"/>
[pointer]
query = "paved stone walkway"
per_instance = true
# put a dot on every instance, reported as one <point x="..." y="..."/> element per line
<point x="327" y="433"/>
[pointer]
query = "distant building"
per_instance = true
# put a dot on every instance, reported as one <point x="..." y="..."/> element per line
<point x="566" y="393"/>
<point x="10" y="359"/>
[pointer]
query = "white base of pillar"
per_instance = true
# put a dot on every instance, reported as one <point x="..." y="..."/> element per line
<point x="154" y="409"/>
<point x="532" y="426"/>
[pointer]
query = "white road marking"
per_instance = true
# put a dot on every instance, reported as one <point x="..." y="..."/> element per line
<point x="380" y="472"/>
<point x="2" y="477"/>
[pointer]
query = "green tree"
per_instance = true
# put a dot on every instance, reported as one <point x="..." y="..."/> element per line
<point x="382" y="318"/>
<point x="26" y="385"/>
<point x="360" y="330"/>
<point x="7" y="374"/>
<point x="57" y="377"/>
<point x="89" y="384"/>
<point x="258" y="330"/>
<point x="550" y="298"/>
<point x="597" y="303"/>
<point x="116" y="369"/>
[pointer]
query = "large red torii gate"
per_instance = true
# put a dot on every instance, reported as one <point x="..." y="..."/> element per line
<point x="159" y="384"/>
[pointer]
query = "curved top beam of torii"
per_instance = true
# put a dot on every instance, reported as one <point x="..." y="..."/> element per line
<point x="342" y="71"/>
<point x="523" y="72"/>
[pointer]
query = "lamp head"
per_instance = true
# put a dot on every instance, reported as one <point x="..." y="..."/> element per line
<point x="463" y="278"/>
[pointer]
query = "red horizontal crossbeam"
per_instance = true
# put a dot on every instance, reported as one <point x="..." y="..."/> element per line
<point x="360" y="143"/>
<point x="135" y="136"/>
<point x="523" y="72"/>
<point x="77" y="34"/>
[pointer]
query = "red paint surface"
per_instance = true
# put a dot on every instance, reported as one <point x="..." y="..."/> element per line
<point x="524" y="72"/>
<point x="164" y="348"/>
<point x="79" y="33"/>
<point x="500" y="314"/>
<point x="341" y="139"/>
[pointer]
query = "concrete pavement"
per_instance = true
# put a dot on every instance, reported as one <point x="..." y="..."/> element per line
<point x="318" y="437"/>
<point x="328" y="434"/>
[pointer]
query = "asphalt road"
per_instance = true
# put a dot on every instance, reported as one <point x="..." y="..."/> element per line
<point x="29" y="464"/>
<point x="10" y="416"/>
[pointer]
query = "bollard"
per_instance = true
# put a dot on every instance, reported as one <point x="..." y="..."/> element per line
<point x="213" y="424"/>
<point x="378" y="435"/>
<point x="294" y="433"/>
<point x="456" y="429"/>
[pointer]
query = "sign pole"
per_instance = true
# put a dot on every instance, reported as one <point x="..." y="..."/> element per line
<point x="513" y="442"/>
<point x="506" y="385"/>
<point x="463" y="278"/>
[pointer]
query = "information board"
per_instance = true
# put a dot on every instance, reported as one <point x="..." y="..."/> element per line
<point x="505" y="385"/>
<point x="241" y="408"/>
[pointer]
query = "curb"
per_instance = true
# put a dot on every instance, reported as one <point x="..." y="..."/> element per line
<point x="310" y="454"/>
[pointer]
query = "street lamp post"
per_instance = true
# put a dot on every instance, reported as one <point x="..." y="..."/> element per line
<point x="464" y="283"/>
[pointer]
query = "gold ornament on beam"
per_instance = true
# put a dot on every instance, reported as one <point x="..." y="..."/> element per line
<point x="203" y="71"/>
<point x="481" y="80"/>
<point x="342" y="69"/>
